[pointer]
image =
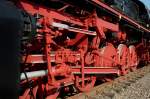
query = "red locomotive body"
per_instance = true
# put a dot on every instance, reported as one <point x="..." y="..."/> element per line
<point x="66" y="43"/>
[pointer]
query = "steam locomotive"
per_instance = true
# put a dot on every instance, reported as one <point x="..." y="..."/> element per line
<point x="69" y="45"/>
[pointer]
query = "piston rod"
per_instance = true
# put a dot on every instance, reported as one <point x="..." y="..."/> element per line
<point x="33" y="74"/>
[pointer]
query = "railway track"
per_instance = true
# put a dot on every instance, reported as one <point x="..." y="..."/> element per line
<point x="109" y="89"/>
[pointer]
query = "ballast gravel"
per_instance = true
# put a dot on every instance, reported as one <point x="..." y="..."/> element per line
<point x="138" y="90"/>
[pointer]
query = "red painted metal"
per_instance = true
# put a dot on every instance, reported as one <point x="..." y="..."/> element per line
<point x="133" y="62"/>
<point x="96" y="70"/>
<point x="74" y="51"/>
<point x="87" y="86"/>
<point x="108" y="25"/>
<point x="30" y="7"/>
<point x="124" y="58"/>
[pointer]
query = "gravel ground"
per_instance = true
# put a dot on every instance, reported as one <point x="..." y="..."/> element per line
<point x="138" y="90"/>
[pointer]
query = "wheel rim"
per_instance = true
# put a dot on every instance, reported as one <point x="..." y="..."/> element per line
<point x="133" y="58"/>
<point x="123" y="58"/>
<point x="28" y="95"/>
<point x="87" y="86"/>
<point x="109" y="56"/>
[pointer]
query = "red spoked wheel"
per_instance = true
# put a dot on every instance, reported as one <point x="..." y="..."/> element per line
<point x="35" y="92"/>
<point x="52" y="92"/>
<point x="123" y="58"/>
<point x="28" y="94"/>
<point x="109" y="56"/>
<point x="133" y="62"/>
<point x="89" y="83"/>
<point x="41" y="91"/>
